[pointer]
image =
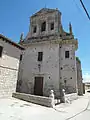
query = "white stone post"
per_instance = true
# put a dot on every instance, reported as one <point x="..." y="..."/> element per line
<point x="52" y="98"/>
<point x="64" y="100"/>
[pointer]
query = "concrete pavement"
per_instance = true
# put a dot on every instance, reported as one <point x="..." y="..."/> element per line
<point x="76" y="107"/>
<point x="84" y="115"/>
<point x="14" y="109"/>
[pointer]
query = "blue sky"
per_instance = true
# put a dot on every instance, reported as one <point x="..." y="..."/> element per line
<point x="15" y="14"/>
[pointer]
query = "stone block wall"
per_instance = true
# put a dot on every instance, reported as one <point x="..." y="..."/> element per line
<point x="8" y="79"/>
<point x="45" y="101"/>
<point x="71" y="97"/>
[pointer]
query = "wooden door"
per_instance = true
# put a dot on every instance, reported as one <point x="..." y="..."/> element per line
<point x="38" y="86"/>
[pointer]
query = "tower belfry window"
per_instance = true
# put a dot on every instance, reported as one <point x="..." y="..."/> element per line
<point x="34" y="29"/>
<point x="1" y="49"/>
<point x="52" y="26"/>
<point x="43" y="26"/>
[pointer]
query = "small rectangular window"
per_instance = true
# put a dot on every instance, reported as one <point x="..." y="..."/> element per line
<point x="52" y="26"/>
<point x="40" y="56"/>
<point x="66" y="54"/>
<point x="21" y="57"/>
<point x="1" y="49"/>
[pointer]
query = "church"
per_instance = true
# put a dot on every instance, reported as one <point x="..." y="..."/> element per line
<point x="48" y="61"/>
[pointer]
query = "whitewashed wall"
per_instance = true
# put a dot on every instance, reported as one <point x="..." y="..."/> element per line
<point x="9" y="63"/>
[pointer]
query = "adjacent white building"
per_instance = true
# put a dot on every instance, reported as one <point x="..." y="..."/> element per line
<point x="49" y="60"/>
<point x="9" y="63"/>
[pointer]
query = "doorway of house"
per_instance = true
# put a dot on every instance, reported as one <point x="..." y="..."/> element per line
<point x="38" y="86"/>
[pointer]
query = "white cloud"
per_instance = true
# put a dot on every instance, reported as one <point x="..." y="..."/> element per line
<point x="86" y="77"/>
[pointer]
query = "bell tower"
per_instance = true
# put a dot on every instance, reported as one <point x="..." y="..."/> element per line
<point x="46" y="22"/>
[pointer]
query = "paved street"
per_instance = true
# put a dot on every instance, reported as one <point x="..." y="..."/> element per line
<point x="84" y="115"/>
<point x="14" y="109"/>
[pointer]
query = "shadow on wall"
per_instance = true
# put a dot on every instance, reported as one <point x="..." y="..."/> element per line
<point x="11" y="51"/>
<point x="23" y="86"/>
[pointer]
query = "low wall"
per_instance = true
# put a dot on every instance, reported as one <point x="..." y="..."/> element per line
<point x="45" y="101"/>
<point x="71" y="97"/>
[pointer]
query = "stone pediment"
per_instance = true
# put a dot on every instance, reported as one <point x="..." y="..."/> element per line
<point x="44" y="11"/>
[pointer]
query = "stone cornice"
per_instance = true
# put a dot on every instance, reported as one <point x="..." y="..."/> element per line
<point x="59" y="41"/>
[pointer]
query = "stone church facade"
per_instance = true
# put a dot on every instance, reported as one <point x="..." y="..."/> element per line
<point x="49" y="61"/>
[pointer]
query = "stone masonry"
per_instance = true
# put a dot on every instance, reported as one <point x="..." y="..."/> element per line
<point x="79" y="77"/>
<point x="8" y="81"/>
<point x="57" y="68"/>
